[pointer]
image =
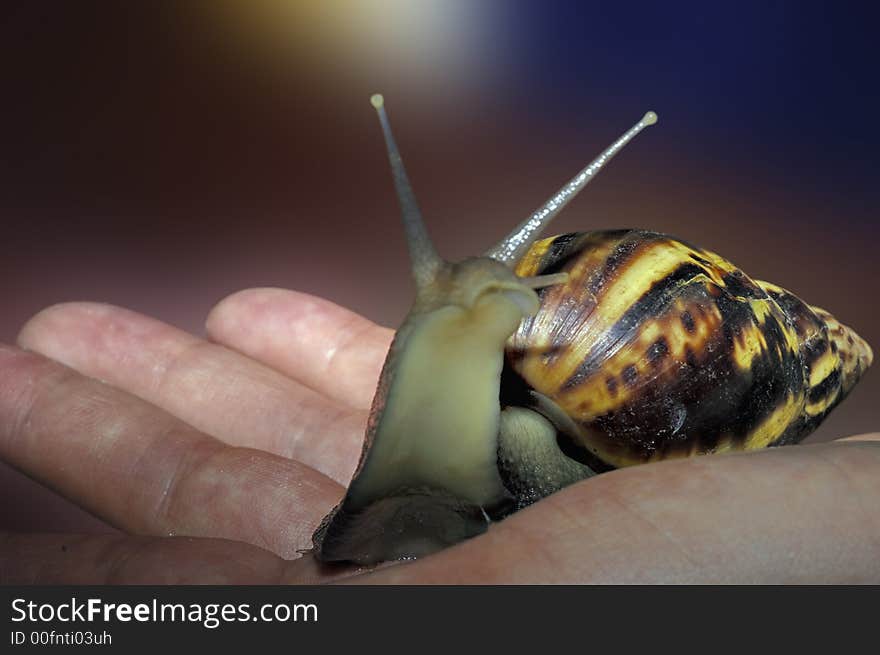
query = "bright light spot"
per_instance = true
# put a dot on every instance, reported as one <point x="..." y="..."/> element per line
<point x="424" y="41"/>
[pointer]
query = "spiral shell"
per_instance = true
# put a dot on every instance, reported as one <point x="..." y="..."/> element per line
<point x="655" y="348"/>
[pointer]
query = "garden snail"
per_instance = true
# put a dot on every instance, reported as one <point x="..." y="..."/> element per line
<point x="544" y="362"/>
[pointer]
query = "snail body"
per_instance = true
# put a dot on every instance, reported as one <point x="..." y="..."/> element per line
<point x="545" y="362"/>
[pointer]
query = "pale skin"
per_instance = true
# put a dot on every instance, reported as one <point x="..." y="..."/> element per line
<point x="240" y="443"/>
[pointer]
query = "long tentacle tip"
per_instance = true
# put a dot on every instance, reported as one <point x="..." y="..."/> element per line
<point x="378" y="101"/>
<point x="650" y="118"/>
<point x="541" y="281"/>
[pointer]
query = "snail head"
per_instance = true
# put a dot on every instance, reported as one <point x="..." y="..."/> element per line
<point x="428" y="475"/>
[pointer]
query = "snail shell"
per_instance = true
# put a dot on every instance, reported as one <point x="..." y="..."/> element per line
<point x="655" y="348"/>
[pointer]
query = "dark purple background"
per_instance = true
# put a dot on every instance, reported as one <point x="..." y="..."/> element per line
<point x="160" y="156"/>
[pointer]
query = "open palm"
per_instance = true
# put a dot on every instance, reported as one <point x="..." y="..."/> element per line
<point x="218" y="458"/>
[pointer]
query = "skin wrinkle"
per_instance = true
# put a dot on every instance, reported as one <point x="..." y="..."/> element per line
<point x="81" y="542"/>
<point x="342" y="472"/>
<point x="23" y="408"/>
<point x="303" y="420"/>
<point x="581" y="519"/>
<point x="268" y="576"/>
<point x="829" y="457"/>
<point x="44" y="393"/>
<point x="21" y="419"/>
<point x="792" y="477"/>
<point x="642" y="516"/>
<point x="306" y="570"/>
<point x="570" y="522"/>
<point x="571" y="519"/>
<point x="151" y="552"/>
<point x="104" y="436"/>
<point x="258" y="473"/>
<point x="180" y="367"/>
<point x="345" y="346"/>
<point x="99" y="450"/>
<point x="707" y="472"/>
<point x="186" y="370"/>
<point x="120" y="558"/>
<point x="281" y="542"/>
<point x="198" y="468"/>
<point x="300" y="443"/>
<point x="120" y="326"/>
<point x="298" y="536"/>
<point x="282" y="574"/>
<point x="75" y="544"/>
<point x="829" y="521"/>
<point x="532" y="543"/>
<point x="803" y="473"/>
<point x="114" y="558"/>
<point x="169" y="498"/>
<point x="288" y="540"/>
<point x="711" y="468"/>
<point x="101" y="446"/>
<point x="583" y="527"/>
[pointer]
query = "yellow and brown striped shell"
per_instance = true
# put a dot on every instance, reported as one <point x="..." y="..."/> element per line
<point x="655" y="348"/>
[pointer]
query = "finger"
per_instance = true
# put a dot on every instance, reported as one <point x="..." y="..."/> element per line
<point x="788" y="515"/>
<point x="328" y="348"/>
<point x="208" y="386"/>
<point x="33" y="559"/>
<point x="869" y="436"/>
<point x="146" y="471"/>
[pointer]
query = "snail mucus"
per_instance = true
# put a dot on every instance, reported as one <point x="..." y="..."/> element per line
<point x="547" y="361"/>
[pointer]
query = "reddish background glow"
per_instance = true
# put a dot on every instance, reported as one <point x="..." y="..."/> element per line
<point x="161" y="158"/>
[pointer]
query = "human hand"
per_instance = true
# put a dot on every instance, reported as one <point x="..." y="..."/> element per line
<point x="238" y="445"/>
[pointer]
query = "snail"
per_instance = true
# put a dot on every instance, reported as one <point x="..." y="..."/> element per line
<point x="547" y="361"/>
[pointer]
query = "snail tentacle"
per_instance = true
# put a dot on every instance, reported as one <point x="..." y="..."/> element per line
<point x="426" y="263"/>
<point x="511" y="249"/>
<point x="541" y="281"/>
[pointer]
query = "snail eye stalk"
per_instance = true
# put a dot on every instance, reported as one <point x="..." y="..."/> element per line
<point x="515" y="244"/>
<point x="423" y="256"/>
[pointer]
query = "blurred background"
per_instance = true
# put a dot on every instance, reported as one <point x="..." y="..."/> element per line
<point x="160" y="156"/>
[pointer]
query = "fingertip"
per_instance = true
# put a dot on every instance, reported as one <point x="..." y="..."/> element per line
<point x="868" y="436"/>
<point x="47" y="322"/>
<point x="10" y="358"/>
<point x="314" y="341"/>
<point x="239" y="310"/>
<point x="67" y="331"/>
<point x="252" y="318"/>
